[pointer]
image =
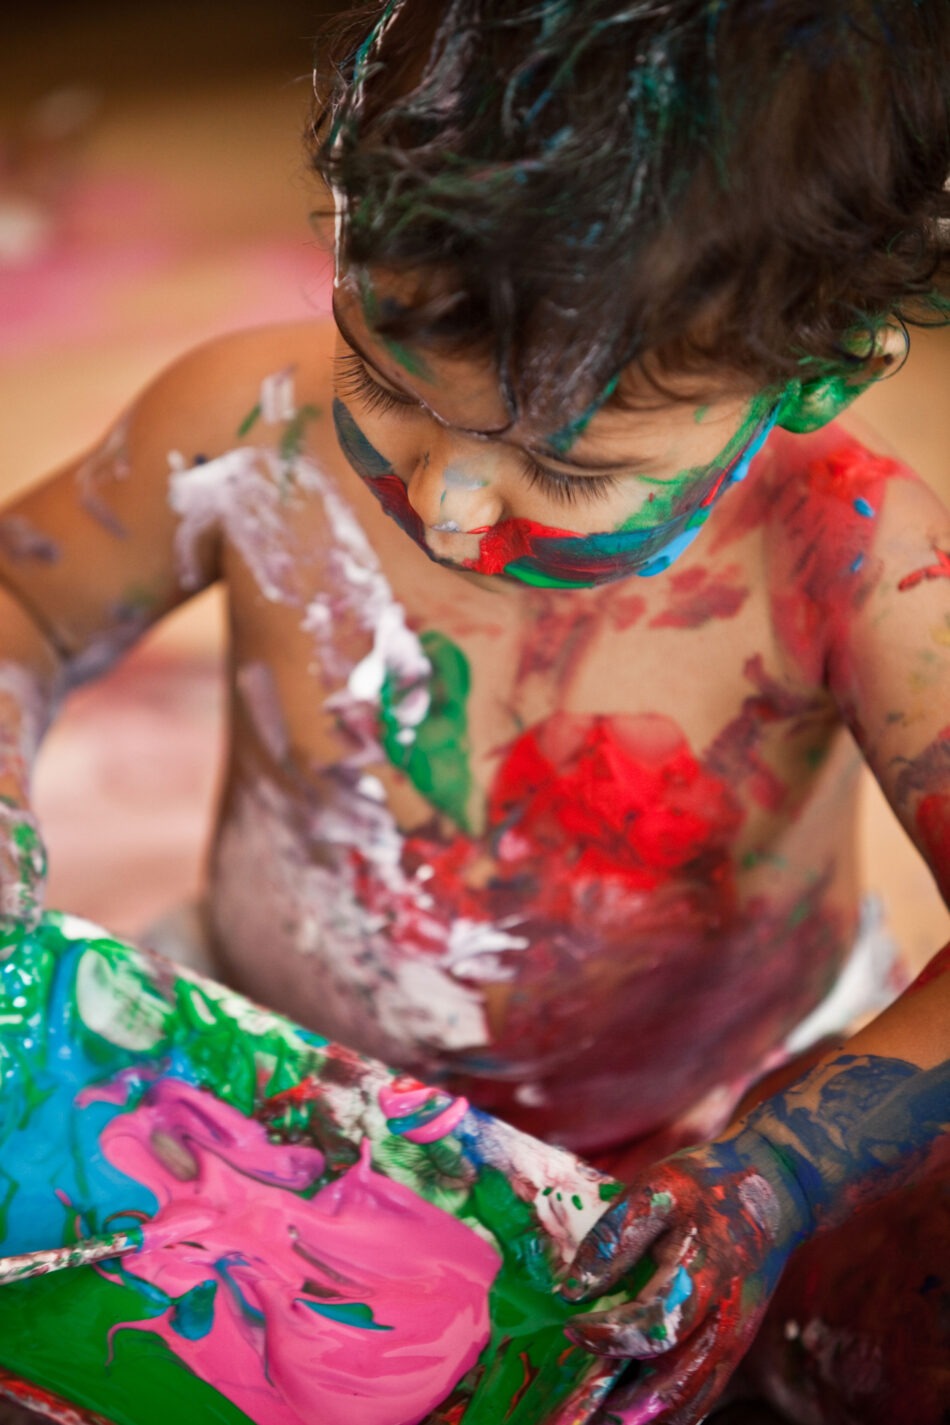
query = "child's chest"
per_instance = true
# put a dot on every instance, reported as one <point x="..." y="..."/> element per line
<point x="654" y="714"/>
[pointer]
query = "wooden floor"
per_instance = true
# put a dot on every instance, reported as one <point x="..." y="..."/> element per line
<point x="180" y="211"/>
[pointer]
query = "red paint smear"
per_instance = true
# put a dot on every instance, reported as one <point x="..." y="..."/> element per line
<point x="935" y="970"/>
<point x="632" y="799"/>
<point x="933" y="826"/>
<point x="626" y="609"/>
<point x="609" y="850"/>
<point x="503" y="543"/>
<point x="940" y="570"/>
<point x="697" y="597"/>
<point x="530" y="1373"/>
<point x="821" y="570"/>
<point x="734" y="755"/>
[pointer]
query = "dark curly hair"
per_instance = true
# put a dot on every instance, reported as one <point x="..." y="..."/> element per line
<point x="748" y="188"/>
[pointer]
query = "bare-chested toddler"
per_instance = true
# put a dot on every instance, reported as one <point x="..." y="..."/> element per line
<point x="562" y="612"/>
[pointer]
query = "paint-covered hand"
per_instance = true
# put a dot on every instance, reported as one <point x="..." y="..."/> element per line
<point x="22" y="870"/>
<point x="717" y="1223"/>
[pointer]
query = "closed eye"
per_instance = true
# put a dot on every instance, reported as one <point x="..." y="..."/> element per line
<point x="353" y="379"/>
<point x="566" y="489"/>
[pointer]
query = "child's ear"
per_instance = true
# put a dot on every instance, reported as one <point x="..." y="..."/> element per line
<point x="809" y="405"/>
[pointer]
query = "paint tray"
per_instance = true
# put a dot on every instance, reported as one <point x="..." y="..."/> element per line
<point x="208" y="1213"/>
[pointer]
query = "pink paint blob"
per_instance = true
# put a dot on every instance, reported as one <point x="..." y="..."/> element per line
<point x="428" y="1114"/>
<point x="408" y="1282"/>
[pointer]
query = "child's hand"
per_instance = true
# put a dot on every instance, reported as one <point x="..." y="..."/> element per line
<point x="719" y="1222"/>
<point x="22" y="869"/>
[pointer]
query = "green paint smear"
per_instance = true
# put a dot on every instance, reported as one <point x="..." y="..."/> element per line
<point x="669" y="493"/>
<point x="436" y="761"/>
<point x="411" y="361"/>
<point x="54" y="1330"/>
<point x="143" y="1384"/>
<point x="291" y="442"/>
<point x="807" y="406"/>
<point x="539" y="580"/>
<point x="249" y="422"/>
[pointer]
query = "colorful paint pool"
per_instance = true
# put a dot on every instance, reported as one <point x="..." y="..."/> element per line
<point x="304" y="1235"/>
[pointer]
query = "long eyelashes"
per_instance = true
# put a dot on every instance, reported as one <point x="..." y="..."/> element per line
<point x="565" y="489"/>
<point x="354" y="380"/>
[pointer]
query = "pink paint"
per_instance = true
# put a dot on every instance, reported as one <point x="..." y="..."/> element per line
<point x="419" y="1277"/>
<point x="405" y="1098"/>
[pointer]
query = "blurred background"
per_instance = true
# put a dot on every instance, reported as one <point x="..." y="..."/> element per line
<point x="153" y="192"/>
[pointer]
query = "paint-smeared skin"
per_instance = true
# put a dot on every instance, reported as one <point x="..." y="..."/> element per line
<point x="925" y="784"/>
<point x="721" y="1221"/>
<point x="610" y="866"/>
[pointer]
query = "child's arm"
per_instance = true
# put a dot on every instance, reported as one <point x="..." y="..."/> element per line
<point x="88" y="560"/>
<point x="870" y="1117"/>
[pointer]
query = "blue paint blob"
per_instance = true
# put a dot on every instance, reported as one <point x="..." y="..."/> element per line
<point x="681" y="1289"/>
<point x="863" y="508"/>
<point x="193" y="1315"/>
<point x="348" y="1313"/>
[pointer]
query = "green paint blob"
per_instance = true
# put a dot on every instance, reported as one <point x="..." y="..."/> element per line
<point x="807" y="406"/>
<point x="434" y="755"/>
<point x="143" y="1384"/>
<point x="539" y="580"/>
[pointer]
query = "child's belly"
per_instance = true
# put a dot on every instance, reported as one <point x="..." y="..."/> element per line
<point x="590" y="967"/>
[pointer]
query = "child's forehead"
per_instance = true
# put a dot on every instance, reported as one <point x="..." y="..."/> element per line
<point x="465" y="393"/>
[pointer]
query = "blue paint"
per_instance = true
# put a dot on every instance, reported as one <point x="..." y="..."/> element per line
<point x="51" y="1168"/>
<point x="354" y="1313"/>
<point x="857" y="563"/>
<point x="863" y="508"/>
<point x="193" y="1316"/>
<point x="358" y="449"/>
<point x="681" y="1289"/>
<point x="224" y="1266"/>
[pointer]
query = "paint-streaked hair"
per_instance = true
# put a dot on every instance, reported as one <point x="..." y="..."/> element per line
<point x="732" y="187"/>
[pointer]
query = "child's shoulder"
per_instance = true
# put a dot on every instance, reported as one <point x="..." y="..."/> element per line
<point x="824" y="492"/>
<point x="219" y="380"/>
<point x="841" y="519"/>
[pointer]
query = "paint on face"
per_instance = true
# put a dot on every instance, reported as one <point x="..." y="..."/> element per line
<point x="409" y="358"/>
<point x="548" y="557"/>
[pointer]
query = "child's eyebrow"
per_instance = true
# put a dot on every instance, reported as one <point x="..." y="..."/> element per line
<point x="541" y="452"/>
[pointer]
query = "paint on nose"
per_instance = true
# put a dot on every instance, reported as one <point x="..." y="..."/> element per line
<point x="456" y="477"/>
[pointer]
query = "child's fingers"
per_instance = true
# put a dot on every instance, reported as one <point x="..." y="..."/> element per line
<point x="616" y="1243"/>
<point x="679" y="1388"/>
<point x="662" y="1315"/>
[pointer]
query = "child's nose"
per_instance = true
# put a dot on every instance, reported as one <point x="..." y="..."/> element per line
<point x="454" y="494"/>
